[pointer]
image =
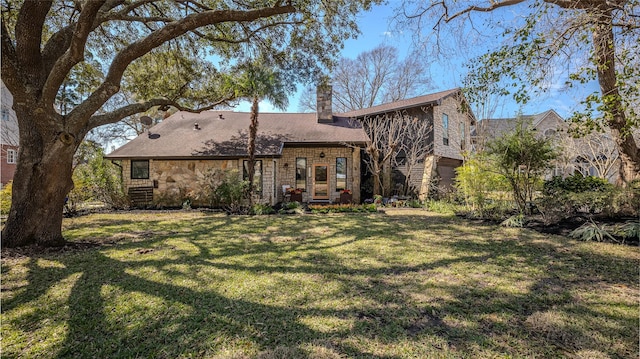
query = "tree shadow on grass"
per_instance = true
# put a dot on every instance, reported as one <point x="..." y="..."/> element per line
<point x="396" y="302"/>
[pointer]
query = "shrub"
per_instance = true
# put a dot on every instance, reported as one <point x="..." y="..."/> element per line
<point x="260" y="209"/>
<point x="5" y="198"/>
<point x="443" y="207"/>
<point x="591" y="232"/>
<point x="576" y="184"/>
<point x="291" y="208"/>
<point x="629" y="230"/>
<point x="414" y="203"/>
<point x="95" y="179"/>
<point x="516" y="221"/>
<point x="522" y="157"/>
<point x="225" y="189"/>
<point x="564" y="198"/>
<point x="477" y="181"/>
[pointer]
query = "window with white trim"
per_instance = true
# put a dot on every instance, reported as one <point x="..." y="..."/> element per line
<point x="12" y="156"/>
<point x="341" y="173"/>
<point x="445" y="129"/>
<point x="301" y="173"/>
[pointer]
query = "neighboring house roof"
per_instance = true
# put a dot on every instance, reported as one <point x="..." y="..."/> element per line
<point x="493" y="127"/>
<point x="225" y="134"/>
<point x="430" y="99"/>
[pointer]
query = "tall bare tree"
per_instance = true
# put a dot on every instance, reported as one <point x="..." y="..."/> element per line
<point x="44" y="42"/>
<point x="395" y="136"/>
<point x="588" y="40"/>
<point x="416" y="146"/>
<point x="594" y="151"/>
<point x="385" y="133"/>
<point x="372" y="78"/>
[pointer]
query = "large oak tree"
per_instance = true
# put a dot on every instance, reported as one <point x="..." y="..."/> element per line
<point x="589" y="40"/>
<point x="45" y="44"/>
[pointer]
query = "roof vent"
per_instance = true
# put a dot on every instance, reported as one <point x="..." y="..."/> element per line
<point x="196" y="126"/>
<point x="221" y="117"/>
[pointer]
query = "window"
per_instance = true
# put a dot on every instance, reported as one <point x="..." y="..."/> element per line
<point x="301" y="172"/>
<point x="463" y="139"/>
<point x="341" y="173"/>
<point x="140" y="169"/>
<point x="549" y="133"/>
<point x="11" y="156"/>
<point x="401" y="158"/>
<point x="5" y="114"/>
<point x="257" y="174"/>
<point x="445" y="129"/>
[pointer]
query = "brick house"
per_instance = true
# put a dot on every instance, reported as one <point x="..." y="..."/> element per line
<point x="319" y="153"/>
<point x="9" y="139"/>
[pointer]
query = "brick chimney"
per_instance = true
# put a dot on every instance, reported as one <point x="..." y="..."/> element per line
<point x="323" y="104"/>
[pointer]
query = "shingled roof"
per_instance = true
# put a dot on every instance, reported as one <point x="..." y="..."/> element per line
<point x="493" y="127"/>
<point x="430" y="99"/>
<point x="225" y="133"/>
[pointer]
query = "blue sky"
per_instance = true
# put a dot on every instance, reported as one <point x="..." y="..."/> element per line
<point x="445" y="73"/>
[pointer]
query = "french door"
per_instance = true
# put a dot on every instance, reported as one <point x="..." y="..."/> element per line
<point x="320" y="182"/>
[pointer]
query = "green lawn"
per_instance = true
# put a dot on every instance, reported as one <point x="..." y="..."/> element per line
<point x="405" y="284"/>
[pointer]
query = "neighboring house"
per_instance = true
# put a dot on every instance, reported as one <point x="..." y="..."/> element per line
<point x="317" y="153"/>
<point x="9" y="139"/>
<point x="594" y="154"/>
<point x="547" y="123"/>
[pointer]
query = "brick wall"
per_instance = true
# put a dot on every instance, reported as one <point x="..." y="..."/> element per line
<point x="7" y="169"/>
<point x="177" y="180"/>
<point x="287" y="169"/>
<point x="451" y="107"/>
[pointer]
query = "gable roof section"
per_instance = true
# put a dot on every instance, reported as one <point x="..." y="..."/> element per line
<point x="224" y="134"/>
<point x="430" y="99"/>
<point x="494" y="127"/>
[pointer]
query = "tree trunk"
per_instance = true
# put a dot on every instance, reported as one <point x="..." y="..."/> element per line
<point x="605" y="56"/>
<point x="386" y="178"/>
<point x="42" y="181"/>
<point x="251" y="147"/>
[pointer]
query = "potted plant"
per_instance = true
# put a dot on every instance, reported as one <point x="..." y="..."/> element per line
<point x="346" y="197"/>
<point x="295" y="194"/>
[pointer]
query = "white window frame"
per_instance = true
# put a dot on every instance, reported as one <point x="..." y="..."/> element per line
<point x="12" y="156"/>
<point x="445" y="129"/>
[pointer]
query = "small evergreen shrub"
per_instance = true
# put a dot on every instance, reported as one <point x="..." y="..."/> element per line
<point x="565" y="198"/>
<point x="576" y="184"/>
